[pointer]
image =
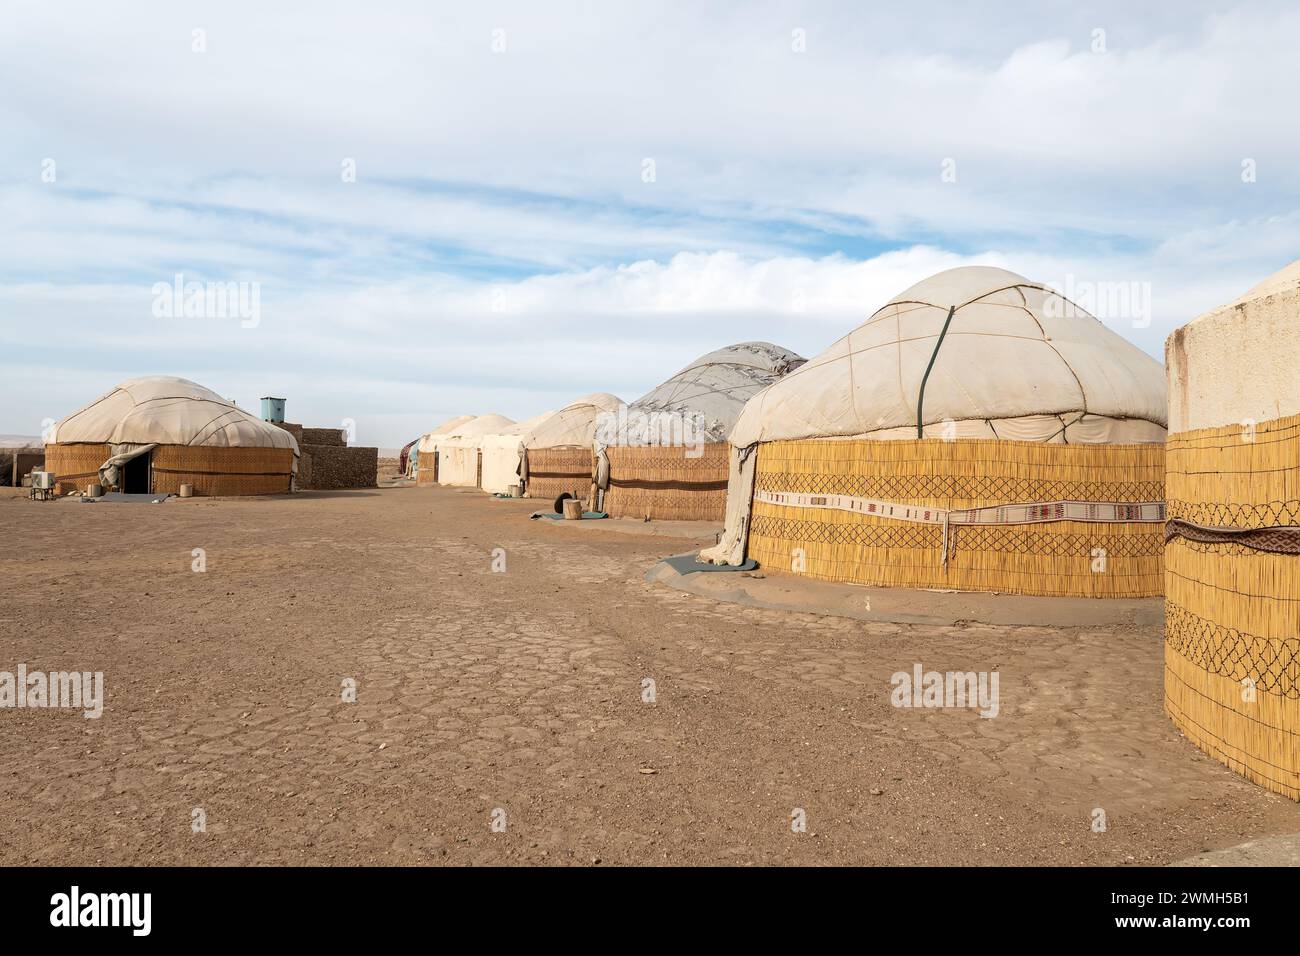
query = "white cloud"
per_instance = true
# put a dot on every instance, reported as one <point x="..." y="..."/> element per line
<point x="514" y="180"/>
<point x="393" y="356"/>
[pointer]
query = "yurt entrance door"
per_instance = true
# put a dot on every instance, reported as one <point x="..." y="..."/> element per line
<point x="135" y="474"/>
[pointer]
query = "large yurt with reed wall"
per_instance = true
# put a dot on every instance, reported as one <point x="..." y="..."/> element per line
<point x="1232" y="544"/>
<point x="460" y="454"/>
<point x="423" y="462"/>
<point x="978" y="433"/>
<point x="151" y="435"/>
<point x="501" y="454"/>
<point x="557" y="456"/>
<point x="665" y="456"/>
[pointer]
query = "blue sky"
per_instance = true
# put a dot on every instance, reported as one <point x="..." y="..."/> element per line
<point x="502" y="247"/>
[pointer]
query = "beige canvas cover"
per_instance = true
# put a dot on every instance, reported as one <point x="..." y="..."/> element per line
<point x="503" y="452"/>
<point x="708" y="394"/>
<point x="165" y="410"/>
<point x="1018" y="362"/>
<point x="458" y="451"/>
<point x="575" y="423"/>
<point x="429" y="440"/>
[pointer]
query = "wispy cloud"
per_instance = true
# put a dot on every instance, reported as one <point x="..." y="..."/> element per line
<point x="613" y="192"/>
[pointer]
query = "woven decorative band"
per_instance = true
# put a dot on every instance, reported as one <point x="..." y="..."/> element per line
<point x="1035" y="513"/>
<point x="1273" y="664"/>
<point x="668" y="484"/>
<point x="1209" y="514"/>
<point x="891" y="486"/>
<point x="1276" y="540"/>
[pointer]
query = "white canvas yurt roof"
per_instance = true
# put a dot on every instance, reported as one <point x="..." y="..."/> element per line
<point x="165" y="410"/>
<point x="1235" y="362"/>
<point x="575" y="423"/>
<point x="458" y="453"/>
<point x="712" y="390"/>
<point x="528" y="425"/>
<point x="502" y="453"/>
<point x="429" y="439"/>
<point x="1018" y="361"/>
<point x="477" y="427"/>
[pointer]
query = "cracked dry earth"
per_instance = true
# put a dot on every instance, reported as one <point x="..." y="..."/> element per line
<point x="522" y="692"/>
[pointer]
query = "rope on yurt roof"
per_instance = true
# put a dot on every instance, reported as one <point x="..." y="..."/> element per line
<point x="920" y="398"/>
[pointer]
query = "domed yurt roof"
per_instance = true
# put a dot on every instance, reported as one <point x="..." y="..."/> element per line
<point x="523" y="428"/>
<point x="575" y="423"/>
<point x="451" y="424"/>
<point x="165" y="410"/>
<point x="1018" y="361"/>
<point x="482" y="425"/>
<point x="714" y="388"/>
<point x="430" y="438"/>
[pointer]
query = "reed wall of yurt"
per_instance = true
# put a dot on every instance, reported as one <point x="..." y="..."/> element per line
<point x="75" y="464"/>
<point x="554" y="471"/>
<point x="1232" y="609"/>
<point x="426" y="464"/>
<point x="211" y="469"/>
<point x="827" y="532"/>
<point x="217" y="470"/>
<point x="668" y="483"/>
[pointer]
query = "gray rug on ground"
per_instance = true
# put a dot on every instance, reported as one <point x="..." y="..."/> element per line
<point x="686" y="564"/>
<point x="130" y="499"/>
<point x="559" y="517"/>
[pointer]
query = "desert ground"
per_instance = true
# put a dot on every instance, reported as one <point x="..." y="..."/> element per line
<point x="516" y="696"/>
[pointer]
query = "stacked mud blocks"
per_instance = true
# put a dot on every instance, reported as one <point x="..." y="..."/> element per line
<point x="17" y="463"/>
<point x="329" y="462"/>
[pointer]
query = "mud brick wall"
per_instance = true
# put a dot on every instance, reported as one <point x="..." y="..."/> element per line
<point x="337" y="466"/>
<point x="16" y="462"/>
<point x="315" y="436"/>
<point x="321" y="436"/>
<point x="292" y="429"/>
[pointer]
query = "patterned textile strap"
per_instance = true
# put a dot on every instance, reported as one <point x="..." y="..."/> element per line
<point x="1113" y="512"/>
<point x="1275" y="540"/>
<point x="1035" y="513"/>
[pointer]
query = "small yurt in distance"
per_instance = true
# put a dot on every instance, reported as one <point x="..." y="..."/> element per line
<point x="424" y="460"/>
<point x="503" y="455"/>
<point x="406" y="458"/>
<point x="1232" y="545"/>
<point x="459" y="454"/>
<point x="151" y="435"/>
<point x="979" y="432"/>
<point x="665" y="456"/>
<point x="558" y="457"/>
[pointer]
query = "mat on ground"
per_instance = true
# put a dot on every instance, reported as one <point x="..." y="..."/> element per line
<point x="556" y="515"/>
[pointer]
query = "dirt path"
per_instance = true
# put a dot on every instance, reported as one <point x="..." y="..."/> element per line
<point x="522" y="692"/>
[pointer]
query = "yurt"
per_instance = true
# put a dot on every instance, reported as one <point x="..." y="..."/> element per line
<point x="423" y="463"/>
<point x="977" y="433"/>
<point x="406" y="458"/>
<point x="558" y="457"/>
<point x="459" y="454"/>
<point x="1232" y="545"/>
<point x="151" y="435"/>
<point x="503" y="454"/>
<point x="665" y="456"/>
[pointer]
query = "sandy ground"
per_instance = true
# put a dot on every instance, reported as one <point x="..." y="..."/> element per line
<point x="521" y="692"/>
